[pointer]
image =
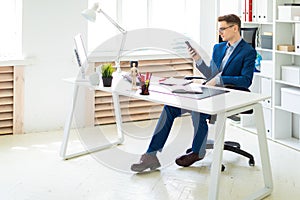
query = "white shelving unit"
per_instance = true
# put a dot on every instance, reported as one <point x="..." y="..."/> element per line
<point x="262" y="83"/>
<point x="282" y="125"/>
<point x="286" y="123"/>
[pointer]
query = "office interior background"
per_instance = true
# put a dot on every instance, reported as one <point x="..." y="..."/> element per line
<point x="44" y="39"/>
<point x="38" y="36"/>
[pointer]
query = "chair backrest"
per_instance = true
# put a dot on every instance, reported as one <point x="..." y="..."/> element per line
<point x="248" y="34"/>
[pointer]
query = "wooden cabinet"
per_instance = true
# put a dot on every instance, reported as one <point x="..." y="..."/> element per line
<point x="11" y="100"/>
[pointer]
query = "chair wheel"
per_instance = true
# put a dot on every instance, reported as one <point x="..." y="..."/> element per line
<point x="251" y="162"/>
<point x="188" y="150"/>
<point x="223" y="168"/>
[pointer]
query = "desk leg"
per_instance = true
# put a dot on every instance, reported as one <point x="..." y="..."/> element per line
<point x="217" y="157"/>
<point x="68" y="123"/>
<point x="64" y="145"/>
<point x="264" y="154"/>
<point x="118" y="116"/>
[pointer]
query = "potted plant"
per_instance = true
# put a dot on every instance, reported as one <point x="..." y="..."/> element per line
<point x="107" y="71"/>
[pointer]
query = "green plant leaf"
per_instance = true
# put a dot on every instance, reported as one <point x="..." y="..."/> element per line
<point x="107" y="70"/>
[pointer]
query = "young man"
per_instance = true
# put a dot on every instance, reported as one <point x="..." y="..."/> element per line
<point x="232" y="64"/>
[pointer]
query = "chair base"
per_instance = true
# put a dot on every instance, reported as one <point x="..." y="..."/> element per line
<point x="230" y="146"/>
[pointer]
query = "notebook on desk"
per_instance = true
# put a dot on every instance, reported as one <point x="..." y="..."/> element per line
<point x="206" y="92"/>
<point x="174" y="81"/>
<point x="186" y="89"/>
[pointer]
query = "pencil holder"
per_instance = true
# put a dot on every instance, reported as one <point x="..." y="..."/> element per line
<point x="145" y="82"/>
<point x="145" y="88"/>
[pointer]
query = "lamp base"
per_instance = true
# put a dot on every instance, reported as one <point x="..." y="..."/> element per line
<point x="81" y="80"/>
<point x="118" y="67"/>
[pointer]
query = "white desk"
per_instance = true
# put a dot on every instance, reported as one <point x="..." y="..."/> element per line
<point x="222" y="105"/>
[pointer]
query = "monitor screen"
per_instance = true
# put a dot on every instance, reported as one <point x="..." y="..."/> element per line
<point x="80" y="52"/>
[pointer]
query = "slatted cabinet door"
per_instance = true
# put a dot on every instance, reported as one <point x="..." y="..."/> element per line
<point x="6" y="99"/>
<point x="11" y="100"/>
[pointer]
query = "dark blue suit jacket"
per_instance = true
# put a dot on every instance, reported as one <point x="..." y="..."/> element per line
<point x="238" y="71"/>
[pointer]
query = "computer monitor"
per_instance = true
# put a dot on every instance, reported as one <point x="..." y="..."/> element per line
<point x="81" y="56"/>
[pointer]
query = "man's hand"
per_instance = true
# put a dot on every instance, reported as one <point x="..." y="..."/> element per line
<point x="195" y="55"/>
<point x="212" y="82"/>
<point x="199" y="81"/>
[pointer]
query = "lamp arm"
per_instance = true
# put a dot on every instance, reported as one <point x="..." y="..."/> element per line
<point x="112" y="21"/>
<point x="117" y="61"/>
<point x="124" y="34"/>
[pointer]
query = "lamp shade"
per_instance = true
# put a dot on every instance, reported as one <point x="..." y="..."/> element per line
<point x="90" y="13"/>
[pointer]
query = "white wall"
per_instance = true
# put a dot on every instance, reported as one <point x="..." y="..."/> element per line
<point x="208" y="25"/>
<point x="48" y="31"/>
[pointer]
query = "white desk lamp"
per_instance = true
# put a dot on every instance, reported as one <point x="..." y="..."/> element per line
<point x="90" y="14"/>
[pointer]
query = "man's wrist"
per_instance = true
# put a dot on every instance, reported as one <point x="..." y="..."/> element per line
<point x="199" y="61"/>
<point x="218" y="79"/>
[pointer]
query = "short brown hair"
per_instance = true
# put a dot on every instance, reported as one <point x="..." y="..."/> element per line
<point x="230" y="19"/>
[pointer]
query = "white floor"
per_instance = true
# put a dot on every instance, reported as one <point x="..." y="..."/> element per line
<point x="31" y="168"/>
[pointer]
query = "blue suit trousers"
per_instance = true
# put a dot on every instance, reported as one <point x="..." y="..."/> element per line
<point x="164" y="125"/>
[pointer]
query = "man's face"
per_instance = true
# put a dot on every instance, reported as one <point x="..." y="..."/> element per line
<point x="226" y="31"/>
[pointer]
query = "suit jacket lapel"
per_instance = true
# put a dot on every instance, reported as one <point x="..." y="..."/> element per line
<point x="236" y="51"/>
<point x="222" y="56"/>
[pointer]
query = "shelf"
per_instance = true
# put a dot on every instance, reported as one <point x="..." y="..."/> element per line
<point x="293" y="143"/>
<point x="281" y="108"/>
<point x="262" y="75"/>
<point x="250" y="129"/>
<point x="287" y="83"/>
<point x="287" y="53"/>
<point x="262" y="49"/>
<point x="287" y="21"/>
<point x="258" y="23"/>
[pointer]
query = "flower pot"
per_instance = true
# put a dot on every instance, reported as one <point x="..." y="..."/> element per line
<point x="107" y="81"/>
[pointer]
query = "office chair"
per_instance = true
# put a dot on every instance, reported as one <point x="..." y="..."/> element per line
<point x="249" y="35"/>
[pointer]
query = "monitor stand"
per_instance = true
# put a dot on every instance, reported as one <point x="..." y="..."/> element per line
<point x="81" y="77"/>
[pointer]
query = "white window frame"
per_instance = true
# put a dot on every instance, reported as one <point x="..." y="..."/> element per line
<point x="118" y="17"/>
<point x="11" y="32"/>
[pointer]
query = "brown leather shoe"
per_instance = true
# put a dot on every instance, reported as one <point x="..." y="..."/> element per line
<point x="187" y="159"/>
<point x="146" y="161"/>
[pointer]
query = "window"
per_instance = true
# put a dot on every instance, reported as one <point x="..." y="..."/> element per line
<point x="10" y="34"/>
<point x="134" y="11"/>
<point x="168" y="14"/>
<point x="102" y="29"/>
<point x="182" y="16"/>
<point x="192" y="19"/>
